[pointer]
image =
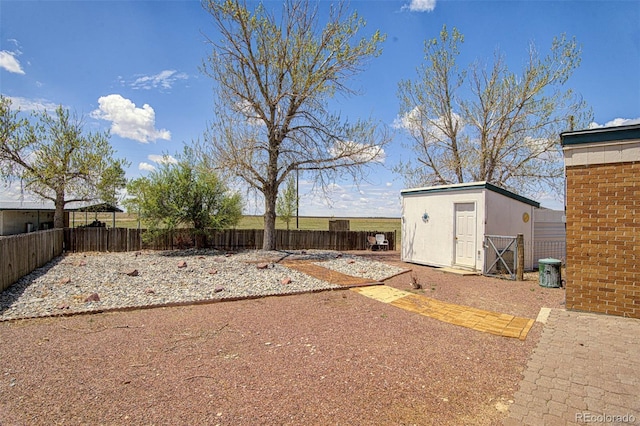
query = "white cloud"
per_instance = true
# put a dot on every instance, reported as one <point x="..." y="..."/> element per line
<point x="358" y="151"/>
<point x="418" y="124"/>
<point x="9" y="62"/>
<point x="128" y="121"/>
<point x="616" y="122"/>
<point x="347" y="200"/>
<point x="146" y="166"/>
<point x="247" y="110"/>
<point x="162" y="159"/>
<point x="24" y="104"/>
<point x="164" y="79"/>
<point x="420" y="6"/>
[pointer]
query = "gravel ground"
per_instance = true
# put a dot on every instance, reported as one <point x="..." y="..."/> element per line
<point x="316" y="358"/>
<point x="123" y="280"/>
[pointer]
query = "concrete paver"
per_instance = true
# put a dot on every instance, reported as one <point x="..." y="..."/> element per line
<point x="584" y="370"/>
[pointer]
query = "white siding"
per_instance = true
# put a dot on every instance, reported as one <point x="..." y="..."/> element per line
<point x="431" y="242"/>
<point x="550" y="235"/>
<point x="506" y="216"/>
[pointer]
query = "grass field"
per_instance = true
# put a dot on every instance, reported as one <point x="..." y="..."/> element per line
<point x="383" y="224"/>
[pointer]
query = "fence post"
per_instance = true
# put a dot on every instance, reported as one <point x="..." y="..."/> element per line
<point x="520" y="263"/>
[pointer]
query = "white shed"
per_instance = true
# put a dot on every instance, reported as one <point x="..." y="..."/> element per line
<point x="446" y="225"/>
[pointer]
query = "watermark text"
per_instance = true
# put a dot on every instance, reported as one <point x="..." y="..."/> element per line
<point x="587" y="417"/>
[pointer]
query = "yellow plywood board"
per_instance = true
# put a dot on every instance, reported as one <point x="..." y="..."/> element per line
<point x="382" y="293"/>
<point x="465" y="316"/>
<point x="526" y="329"/>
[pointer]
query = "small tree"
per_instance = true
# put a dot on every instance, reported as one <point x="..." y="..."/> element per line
<point x="488" y="123"/>
<point x="185" y="193"/>
<point x="55" y="159"/>
<point x="287" y="203"/>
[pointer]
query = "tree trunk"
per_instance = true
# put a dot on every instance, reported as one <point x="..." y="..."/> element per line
<point x="200" y="239"/>
<point x="58" y="216"/>
<point x="270" y="220"/>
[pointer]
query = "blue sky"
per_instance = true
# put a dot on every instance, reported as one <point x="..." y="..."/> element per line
<point x="133" y="67"/>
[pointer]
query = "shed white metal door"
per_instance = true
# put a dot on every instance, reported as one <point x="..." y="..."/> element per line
<point x="465" y="234"/>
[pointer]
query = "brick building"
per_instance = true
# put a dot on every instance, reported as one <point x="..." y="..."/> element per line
<point x="603" y="220"/>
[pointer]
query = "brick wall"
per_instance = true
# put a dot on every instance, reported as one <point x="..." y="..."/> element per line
<point x="603" y="238"/>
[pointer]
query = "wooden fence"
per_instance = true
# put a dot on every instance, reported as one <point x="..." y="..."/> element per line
<point x="122" y="239"/>
<point x="21" y="254"/>
<point x="102" y="239"/>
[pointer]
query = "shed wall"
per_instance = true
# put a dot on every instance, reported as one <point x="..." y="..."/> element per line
<point x="15" y="221"/>
<point x="506" y="216"/>
<point x="549" y="235"/>
<point x="431" y="242"/>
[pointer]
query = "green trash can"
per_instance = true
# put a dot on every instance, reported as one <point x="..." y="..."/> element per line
<point x="550" y="275"/>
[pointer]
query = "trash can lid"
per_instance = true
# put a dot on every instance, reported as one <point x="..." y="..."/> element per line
<point x="550" y="261"/>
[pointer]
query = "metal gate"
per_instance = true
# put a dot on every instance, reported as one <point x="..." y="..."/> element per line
<point x="500" y="256"/>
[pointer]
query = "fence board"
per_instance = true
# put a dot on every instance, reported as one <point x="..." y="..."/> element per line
<point x="124" y="239"/>
<point x="23" y="253"/>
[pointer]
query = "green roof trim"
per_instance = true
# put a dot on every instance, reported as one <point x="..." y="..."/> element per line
<point x="601" y="135"/>
<point x="471" y="185"/>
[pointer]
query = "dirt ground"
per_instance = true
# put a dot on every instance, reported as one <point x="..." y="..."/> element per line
<point x="332" y="357"/>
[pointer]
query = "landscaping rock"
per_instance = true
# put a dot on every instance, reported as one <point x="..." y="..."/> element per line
<point x="213" y="271"/>
<point x="149" y="290"/>
<point x="218" y="289"/>
<point x="262" y="265"/>
<point x="65" y="280"/>
<point x="286" y="281"/>
<point x="131" y="272"/>
<point x="182" y="264"/>
<point x="93" y="297"/>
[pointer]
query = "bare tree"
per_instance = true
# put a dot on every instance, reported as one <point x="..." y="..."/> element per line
<point x="274" y="79"/>
<point x="56" y="160"/>
<point x="487" y="123"/>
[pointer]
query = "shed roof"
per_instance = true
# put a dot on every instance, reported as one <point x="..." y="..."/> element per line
<point x="601" y="135"/>
<point x="49" y="206"/>
<point x="26" y="205"/>
<point x="101" y="208"/>
<point x="467" y="186"/>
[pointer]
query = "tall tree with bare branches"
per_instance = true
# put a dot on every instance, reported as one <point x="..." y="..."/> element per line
<point x="486" y="123"/>
<point x="275" y="74"/>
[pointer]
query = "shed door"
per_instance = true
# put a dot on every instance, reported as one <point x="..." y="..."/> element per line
<point x="465" y="234"/>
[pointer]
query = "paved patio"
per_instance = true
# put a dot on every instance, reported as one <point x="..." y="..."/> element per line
<point x="584" y="370"/>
